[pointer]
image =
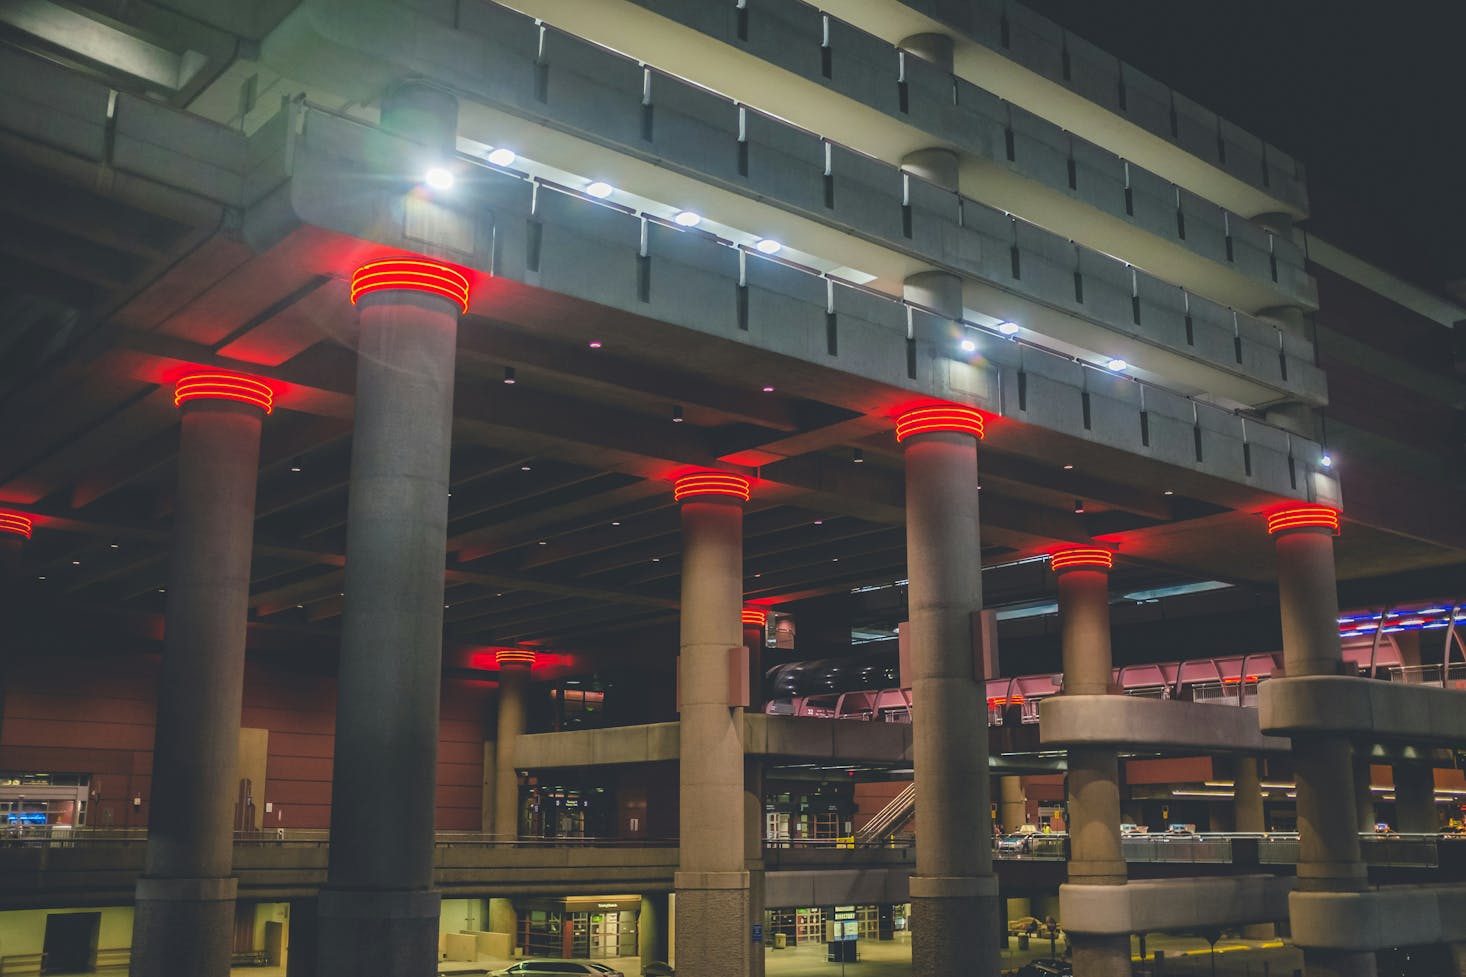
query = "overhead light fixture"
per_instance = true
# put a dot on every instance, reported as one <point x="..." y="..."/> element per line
<point x="525" y="468"/>
<point x="857" y="456"/>
<point x="768" y="245"/>
<point x="1068" y="468"/>
<point x="768" y="389"/>
<point x="439" y="178"/>
<point x="509" y="375"/>
<point x="1079" y="506"/>
<point x="594" y="344"/>
<point x="677" y="417"/>
<point x="502" y="157"/>
<point x="1116" y="364"/>
<point x="600" y="189"/>
<point x="968" y="346"/>
<point x="1009" y="328"/>
<point x="1169" y="492"/>
<point x="688" y="218"/>
<point x="1326" y="460"/>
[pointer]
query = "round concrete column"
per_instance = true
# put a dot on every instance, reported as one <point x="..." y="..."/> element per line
<point x="1247" y="791"/>
<point x="514" y="669"/>
<point x="1012" y="803"/>
<point x="1415" y="811"/>
<point x="1363" y="795"/>
<point x="184" y="919"/>
<point x="715" y="904"/>
<point x="1093" y="782"/>
<point x="1329" y="857"/>
<point x="378" y="910"/>
<point x="755" y="620"/>
<point x="954" y="893"/>
<point x="15" y="529"/>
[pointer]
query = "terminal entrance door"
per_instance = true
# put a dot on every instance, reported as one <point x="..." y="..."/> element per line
<point x="71" y="942"/>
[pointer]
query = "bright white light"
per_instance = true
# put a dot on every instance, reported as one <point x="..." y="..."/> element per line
<point x="1008" y="328"/>
<point x="968" y="346"/>
<point x="600" y="190"/>
<point x="438" y="178"/>
<point x="1327" y="461"/>
<point x="688" y="218"/>
<point x="769" y="246"/>
<point x="502" y="157"/>
<point x="1117" y="364"/>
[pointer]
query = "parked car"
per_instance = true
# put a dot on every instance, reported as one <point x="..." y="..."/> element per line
<point x="558" y="968"/>
<point x="1015" y="844"/>
<point x="658" y="969"/>
<point x="1046" y="968"/>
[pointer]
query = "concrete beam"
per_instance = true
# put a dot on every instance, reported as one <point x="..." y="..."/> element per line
<point x="1167" y="904"/>
<point x="593" y="747"/>
<point x="1317" y="704"/>
<point x="1389" y="917"/>
<point x="1164" y="725"/>
<point x="837" y="887"/>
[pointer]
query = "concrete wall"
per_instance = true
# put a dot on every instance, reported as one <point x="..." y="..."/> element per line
<point x="23" y="931"/>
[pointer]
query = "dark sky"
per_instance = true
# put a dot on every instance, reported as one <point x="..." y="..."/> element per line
<point x="1370" y="95"/>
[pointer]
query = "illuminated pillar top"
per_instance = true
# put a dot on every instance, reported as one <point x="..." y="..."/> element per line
<point x="514" y="657"/>
<point x="938" y="418"/>
<point x="1302" y="516"/>
<point x="213" y="385"/>
<point x="15" y="523"/>
<point x="754" y="617"/>
<point x="406" y="272"/>
<point x="1081" y="558"/>
<point x="700" y="484"/>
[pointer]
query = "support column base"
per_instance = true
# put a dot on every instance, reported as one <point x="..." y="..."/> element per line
<point x="954" y="926"/>
<point x="715" y="925"/>
<point x="183" y="927"/>
<point x="1101" y="956"/>
<point x="385" y="934"/>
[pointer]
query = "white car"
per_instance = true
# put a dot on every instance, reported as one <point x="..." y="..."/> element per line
<point x="557" y="968"/>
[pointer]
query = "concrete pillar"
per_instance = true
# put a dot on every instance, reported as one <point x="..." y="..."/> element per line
<point x="954" y="893"/>
<point x="1458" y="958"/>
<point x="378" y="910"/>
<point x="1247" y="788"/>
<point x="514" y="668"/>
<point x="716" y="907"/>
<point x="300" y="939"/>
<point x="651" y="928"/>
<point x="936" y="48"/>
<point x="1415" y="810"/>
<point x="1095" y="856"/>
<point x="184" y="921"/>
<point x="1012" y="803"/>
<point x="1363" y="795"/>
<point x="1329" y="856"/>
<point x="503" y="919"/>
<point x="15" y="529"/>
<point x="754" y="621"/>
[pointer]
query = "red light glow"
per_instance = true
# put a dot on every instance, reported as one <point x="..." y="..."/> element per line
<point x="412" y="274"/>
<point x="939" y="417"/>
<point x="514" y="657"/>
<point x="224" y="386"/>
<point x="1086" y="557"/>
<point x="20" y="525"/>
<point x="755" y="618"/>
<point x="711" y="483"/>
<point x="1303" y="517"/>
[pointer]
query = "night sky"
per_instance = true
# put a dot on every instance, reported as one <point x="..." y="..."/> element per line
<point x="1370" y="96"/>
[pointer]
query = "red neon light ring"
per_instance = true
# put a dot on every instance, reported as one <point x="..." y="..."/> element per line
<point x="15" y="523"/>
<point x="756" y="618"/>
<point x="410" y="274"/>
<point x="224" y="386"/>
<point x="514" y="657"/>
<point x="712" y="483"/>
<point x="1081" y="557"/>
<point x="939" y="417"/>
<point x="1303" y="517"/>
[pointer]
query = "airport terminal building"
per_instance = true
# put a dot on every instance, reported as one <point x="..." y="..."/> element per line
<point x="676" y="479"/>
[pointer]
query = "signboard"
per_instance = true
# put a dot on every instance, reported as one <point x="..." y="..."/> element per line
<point x="758" y="932"/>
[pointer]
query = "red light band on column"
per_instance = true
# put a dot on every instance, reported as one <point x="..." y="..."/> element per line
<point x="756" y="618"/>
<point x="411" y="274"/>
<point x="1303" y="517"/>
<point x="224" y="386"/>
<point x="1087" y="557"/>
<point x="711" y="483"/>
<point x="15" y="523"/>
<point x="514" y="657"/>
<point x="939" y="417"/>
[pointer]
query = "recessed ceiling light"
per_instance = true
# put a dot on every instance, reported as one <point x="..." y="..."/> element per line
<point x="1169" y="492"/>
<point x="616" y="523"/>
<point x="768" y="245"/>
<point x="544" y="542"/>
<point x="116" y="546"/>
<point x="509" y="375"/>
<point x="656" y="559"/>
<point x="1068" y="468"/>
<point x="76" y="563"/>
<point x="677" y="417"/>
<point x="768" y="389"/>
<point x="600" y="189"/>
<point x="525" y="468"/>
<point x="968" y="346"/>
<point x="688" y="218"/>
<point x="857" y="456"/>
<point x="594" y="344"/>
<point x="1008" y="328"/>
<point x="439" y="178"/>
<point x="502" y="157"/>
<point x="41" y="577"/>
<point x="1116" y="364"/>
